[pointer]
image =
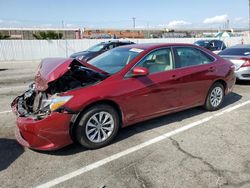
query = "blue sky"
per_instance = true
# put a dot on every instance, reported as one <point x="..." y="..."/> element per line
<point x="118" y="14"/>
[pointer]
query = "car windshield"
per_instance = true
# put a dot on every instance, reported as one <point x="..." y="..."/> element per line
<point x="201" y="43"/>
<point x="114" y="60"/>
<point x="236" y="51"/>
<point x="96" y="48"/>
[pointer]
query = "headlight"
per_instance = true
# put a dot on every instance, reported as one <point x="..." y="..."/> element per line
<point x="56" y="102"/>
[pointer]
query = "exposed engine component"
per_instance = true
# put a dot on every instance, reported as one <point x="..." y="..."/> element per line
<point x="36" y="103"/>
<point x="77" y="76"/>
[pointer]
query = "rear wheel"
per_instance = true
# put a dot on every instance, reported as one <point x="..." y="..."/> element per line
<point x="215" y="97"/>
<point x="97" y="126"/>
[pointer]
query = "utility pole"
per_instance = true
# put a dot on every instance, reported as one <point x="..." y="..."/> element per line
<point x="134" y="21"/>
<point x="134" y="26"/>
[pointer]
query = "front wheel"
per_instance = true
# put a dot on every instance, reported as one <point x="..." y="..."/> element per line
<point x="215" y="97"/>
<point x="97" y="126"/>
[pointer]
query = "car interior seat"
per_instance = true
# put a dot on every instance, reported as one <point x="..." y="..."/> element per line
<point x="162" y="63"/>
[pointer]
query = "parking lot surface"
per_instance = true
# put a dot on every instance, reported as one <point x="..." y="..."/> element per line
<point x="192" y="148"/>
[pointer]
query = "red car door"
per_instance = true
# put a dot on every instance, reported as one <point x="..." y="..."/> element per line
<point x="196" y="70"/>
<point x="154" y="94"/>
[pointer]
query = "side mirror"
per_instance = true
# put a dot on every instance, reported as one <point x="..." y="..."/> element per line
<point x="139" y="71"/>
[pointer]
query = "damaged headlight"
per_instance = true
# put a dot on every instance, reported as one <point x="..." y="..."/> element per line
<point x="56" y="102"/>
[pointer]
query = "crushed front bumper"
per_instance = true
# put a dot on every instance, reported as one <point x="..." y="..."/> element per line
<point x="48" y="133"/>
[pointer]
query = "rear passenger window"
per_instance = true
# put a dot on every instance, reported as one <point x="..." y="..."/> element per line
<point x="188" y="56"/>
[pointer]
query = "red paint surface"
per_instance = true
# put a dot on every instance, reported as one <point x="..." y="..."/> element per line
<point x="139" y="98"/>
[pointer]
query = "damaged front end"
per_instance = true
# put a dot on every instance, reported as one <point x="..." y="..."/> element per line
<point x="30" y="104"/>
<point x="43" y="96"/>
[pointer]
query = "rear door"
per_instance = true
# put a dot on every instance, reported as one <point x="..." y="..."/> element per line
<point x="196" y="70"/>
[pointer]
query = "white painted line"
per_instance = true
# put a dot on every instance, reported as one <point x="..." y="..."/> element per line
<point x="4" y="112"/>
<point x="135" y="148"/>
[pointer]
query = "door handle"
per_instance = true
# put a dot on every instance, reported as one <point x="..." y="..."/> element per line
<point x="175" y="77"/>
<point x="211" y="69"/>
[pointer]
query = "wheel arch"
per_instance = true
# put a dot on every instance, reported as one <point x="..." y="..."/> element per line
<point x="76" y="117"/>
<point x="221" y="81"/>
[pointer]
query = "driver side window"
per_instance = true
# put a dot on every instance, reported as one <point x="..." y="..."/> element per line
<point x="158" y="61"/>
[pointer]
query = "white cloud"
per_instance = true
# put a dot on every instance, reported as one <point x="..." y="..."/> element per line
<point x="178" y="23"/>
<point x="70" y="25"/>
<point x="9" y="22"/>
<point x="45" y="25"/>
<point x="216" y="19"/>
<point x="238" y="19"/>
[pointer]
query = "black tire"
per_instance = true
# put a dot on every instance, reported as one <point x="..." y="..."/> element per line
<point x="215" y="97"/>
<point x="89" y="118"/>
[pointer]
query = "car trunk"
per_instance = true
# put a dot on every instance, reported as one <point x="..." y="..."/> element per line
<point x="238" y="61"/>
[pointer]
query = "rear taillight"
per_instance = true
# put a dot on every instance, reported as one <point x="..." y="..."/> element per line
<point x="246" y="63"/>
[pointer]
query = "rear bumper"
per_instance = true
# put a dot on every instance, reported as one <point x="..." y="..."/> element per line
<point x="243" y="73"/>
<point x="230" y="83"/>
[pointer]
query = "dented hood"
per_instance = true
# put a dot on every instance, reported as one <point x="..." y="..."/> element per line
<point x="49" y="70"/>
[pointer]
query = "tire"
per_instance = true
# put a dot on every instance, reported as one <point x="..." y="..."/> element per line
<point x="215" y="97"/>
<point x="97" y="126"/>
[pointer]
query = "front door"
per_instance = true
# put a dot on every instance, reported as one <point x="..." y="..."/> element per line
<point x="155" y="93"/>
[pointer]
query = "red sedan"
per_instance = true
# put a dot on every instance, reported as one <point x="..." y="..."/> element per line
<point x="88" y="102"/>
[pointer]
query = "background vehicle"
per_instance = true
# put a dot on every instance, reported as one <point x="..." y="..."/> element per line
<point x="89" y="102"/>
<point x="99" y="49"/>
<point x="214" y="45"/>
<point x="239" y="55"/>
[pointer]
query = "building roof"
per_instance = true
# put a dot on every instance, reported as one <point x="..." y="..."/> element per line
<point x="39" y="29"/>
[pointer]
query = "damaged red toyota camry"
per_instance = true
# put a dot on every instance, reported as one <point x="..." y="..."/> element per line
<point x="84" y="102"/>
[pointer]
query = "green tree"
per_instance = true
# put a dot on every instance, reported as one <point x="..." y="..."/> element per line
<point x="48" y="35"/>
<point x="2" y="36"/>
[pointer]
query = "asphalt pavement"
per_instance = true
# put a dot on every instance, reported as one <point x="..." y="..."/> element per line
<point x="192" y="148"/>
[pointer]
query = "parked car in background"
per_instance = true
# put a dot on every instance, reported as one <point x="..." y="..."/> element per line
<point x="99" y="49"/>
<point x="239" y="55"/>
<point x="214" y="45"/>
<point x="88" y="102"/>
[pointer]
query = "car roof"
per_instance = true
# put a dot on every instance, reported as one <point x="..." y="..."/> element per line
<point x="208" y="40"/>
<point x="241" y="46"/>
<point x="148" y="46"/>
<point x="203" y="40"/>
<point x="116" y="41"/>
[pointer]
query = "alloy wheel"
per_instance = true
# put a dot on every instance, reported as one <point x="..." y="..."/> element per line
<point x="216" y="96"/>
<point x="99" y="127"/>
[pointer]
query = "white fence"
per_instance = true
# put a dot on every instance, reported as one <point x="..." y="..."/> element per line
<point x="18" y="50"/>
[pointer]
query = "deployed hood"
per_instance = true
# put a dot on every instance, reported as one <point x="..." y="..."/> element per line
<point x="70" y="71"/>
<point x="55" y="76"/>
<point x="49" y="70"/>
